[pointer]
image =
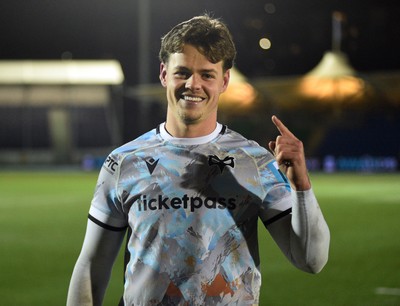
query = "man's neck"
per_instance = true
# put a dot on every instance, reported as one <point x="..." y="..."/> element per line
<point x="180" y="129"/>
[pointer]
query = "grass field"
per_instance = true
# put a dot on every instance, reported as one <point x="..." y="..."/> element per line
<point x="43" y="219"/>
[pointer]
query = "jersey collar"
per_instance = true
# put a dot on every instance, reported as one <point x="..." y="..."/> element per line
<point x="219" y="129"/>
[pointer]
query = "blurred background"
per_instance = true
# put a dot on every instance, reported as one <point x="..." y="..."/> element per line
<point x="78" y="78"/>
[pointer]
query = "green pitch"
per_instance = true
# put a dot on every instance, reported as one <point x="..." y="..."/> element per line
<point x="43" y="219"/>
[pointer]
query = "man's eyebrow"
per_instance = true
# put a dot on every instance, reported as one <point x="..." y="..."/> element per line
<point x="209" y="71"/>
<point x="184" y="68"/>
<point x="181" y="68"/>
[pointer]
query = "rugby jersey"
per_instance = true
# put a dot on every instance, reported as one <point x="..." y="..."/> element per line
<point x="192" y="208"/>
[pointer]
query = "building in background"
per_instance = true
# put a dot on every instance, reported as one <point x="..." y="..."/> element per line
<point x="56" y="112"/>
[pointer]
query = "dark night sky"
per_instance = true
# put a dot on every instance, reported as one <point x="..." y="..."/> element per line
<point x="300" y="31"/>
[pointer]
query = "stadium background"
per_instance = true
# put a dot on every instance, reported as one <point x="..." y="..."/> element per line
<point x="53" y="139"/>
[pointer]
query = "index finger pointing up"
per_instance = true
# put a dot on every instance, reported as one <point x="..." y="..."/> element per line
<point x="281" y="127"/>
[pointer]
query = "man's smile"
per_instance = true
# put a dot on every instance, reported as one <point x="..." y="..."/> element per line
<point x="194" y="99"/>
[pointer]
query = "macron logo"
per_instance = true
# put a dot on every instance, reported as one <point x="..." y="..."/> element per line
<point x="151" y="164"/>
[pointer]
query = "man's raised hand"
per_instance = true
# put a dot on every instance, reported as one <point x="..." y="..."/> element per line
<point x="289" y="153"/>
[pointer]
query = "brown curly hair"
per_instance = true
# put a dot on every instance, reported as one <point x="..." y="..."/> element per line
<point x="209" y="35"/>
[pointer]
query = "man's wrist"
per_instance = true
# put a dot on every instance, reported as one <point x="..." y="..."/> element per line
<point x="303" y="185"/>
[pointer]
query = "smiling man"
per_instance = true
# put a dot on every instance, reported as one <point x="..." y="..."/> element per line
<point x="191" y="191"/>
<point x="193" y="86"/>
<point x="194" y="74"/>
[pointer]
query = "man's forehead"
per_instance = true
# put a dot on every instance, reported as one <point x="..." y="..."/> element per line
<point x="191" y="56"/>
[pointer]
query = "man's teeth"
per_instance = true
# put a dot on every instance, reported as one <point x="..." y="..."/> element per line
<point x="192" y="99"/>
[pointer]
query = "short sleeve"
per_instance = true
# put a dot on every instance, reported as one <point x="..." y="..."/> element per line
<point x="106" y="208"/>
<point x="277" y="202"/>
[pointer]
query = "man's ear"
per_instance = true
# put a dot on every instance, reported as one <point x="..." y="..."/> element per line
<point x="227" y="76"/>
<point x="163" y="74"/>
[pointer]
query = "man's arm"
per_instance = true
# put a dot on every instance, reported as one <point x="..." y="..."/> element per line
<point x="93" y="268"/>
<point x="303" y="235"/>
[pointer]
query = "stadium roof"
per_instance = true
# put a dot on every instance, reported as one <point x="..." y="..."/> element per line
<point x="72" y="72"/>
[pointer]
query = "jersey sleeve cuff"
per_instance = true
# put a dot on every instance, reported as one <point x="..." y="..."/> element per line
<point x="105" y="220"/>
<point x="279" y="210"/>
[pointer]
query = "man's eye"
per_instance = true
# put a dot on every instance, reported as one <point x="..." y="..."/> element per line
<point x="182" y="74"/>
<point x="208" y="76"/>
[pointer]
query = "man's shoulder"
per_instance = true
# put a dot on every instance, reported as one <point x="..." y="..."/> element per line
<point x="142" y="142"/>
<point x="235" y="143"/>
<point x="237" y="140"/>
<point x="149" y="138"/>
<point x="114" y="160"/>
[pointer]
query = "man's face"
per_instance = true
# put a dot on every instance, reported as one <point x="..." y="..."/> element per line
<point x="193" y="87"/>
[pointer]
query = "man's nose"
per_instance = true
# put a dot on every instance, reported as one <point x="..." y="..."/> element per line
<point x="193" y="83"/>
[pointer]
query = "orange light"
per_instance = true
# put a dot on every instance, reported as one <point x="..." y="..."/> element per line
<point x="332" y="79"/>
<point x="239" y="91"/>
<point x="332" y="89"/>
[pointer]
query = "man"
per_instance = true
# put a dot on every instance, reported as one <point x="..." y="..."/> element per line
<point x="191" y="193"/>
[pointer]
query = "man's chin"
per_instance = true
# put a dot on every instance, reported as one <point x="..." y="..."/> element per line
<point x="190" y="118"/>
